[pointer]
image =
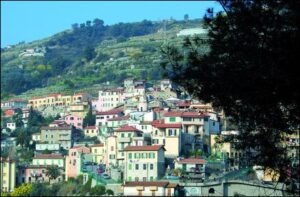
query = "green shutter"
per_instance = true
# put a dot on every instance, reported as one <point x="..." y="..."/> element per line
<point x="172" y="119"/>
<point x="130" y="155"/>
<point x="130" y="166"/>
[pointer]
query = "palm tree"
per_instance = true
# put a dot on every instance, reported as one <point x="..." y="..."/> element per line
<point x="52" y="172"/>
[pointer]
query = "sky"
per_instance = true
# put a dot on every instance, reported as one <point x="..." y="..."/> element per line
<point x="33" y="20"/>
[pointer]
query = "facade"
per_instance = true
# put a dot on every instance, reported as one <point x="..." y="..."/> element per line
<point x="79" y="109"/>
<point x="169" y="135"/>
<point x="109" y="99"/>
<point x="111" y="150"/>
<point x="37" y="174"/>
<point x="74" y="161"/>
<point x="74" y="120"/>
<point x="102" y="117"/>
<point x="98" y="152"/>
<point x="36" y="137"/>
<point x="7" y="174"/>
<point x="126" y="135"/>
<point x="57" y="100"/>
<point x="90" y="131"/>
<point x="57" y="135"/>
<point x="144" y="163"/>
<point x="13" y="103"/>
<point x="152" y="188"/>
<point x="194" y="167"/>
<point x="49" y="159"/>
<point x="51" y="147"/>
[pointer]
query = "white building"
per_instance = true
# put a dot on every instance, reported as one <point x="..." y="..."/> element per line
<point x="153" y="188"/>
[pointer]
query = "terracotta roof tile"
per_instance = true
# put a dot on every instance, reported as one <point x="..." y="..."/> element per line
<point x="90" y="127"/>
<point x="49" y="156"/>
<point x="110" y="112"/>
<point x="192" y="161"/>
<point x="119" y="118"/>
<point x="97" y="145"/>
<point x="144" y="148"/>
<point x="127" y="128"/>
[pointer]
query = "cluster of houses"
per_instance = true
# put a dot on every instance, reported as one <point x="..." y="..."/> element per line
<point x="139" y="135"/>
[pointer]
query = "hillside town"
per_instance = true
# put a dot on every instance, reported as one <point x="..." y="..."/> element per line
<point x="139" y="139"/>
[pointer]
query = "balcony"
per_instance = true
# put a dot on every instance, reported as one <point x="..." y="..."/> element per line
<point x="124" y="140"/>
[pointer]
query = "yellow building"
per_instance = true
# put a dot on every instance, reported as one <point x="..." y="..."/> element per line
<point x="79" y="109"/>
<point x="7" y="174"/>
<point x="98" y="152"/>
<point x="227" y="148"/>
<point x="57" y="100"/>
<point x="91" y="131"/>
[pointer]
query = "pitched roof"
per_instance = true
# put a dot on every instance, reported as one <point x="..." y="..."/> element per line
<point x="127" y="128"/>
<point x="185" y="114"/>
<point x="161" y="124"/>
<point x="97" y="145"/>
<point x="146" y="184"/>
<point x="49" y="156"/>
<point x="173" y="114"/>
<point x="193" y="114"/>
<point x="144" y="148"/>
<point x="110" y="112"/>
<point x="192" y="161"/>
<point x="90" y="127"/>
<point x="119" y="118"/>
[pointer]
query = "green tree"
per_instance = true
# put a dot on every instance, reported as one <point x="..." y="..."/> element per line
<point x="89" y="53"/>
<point x="23" y="190"/>
<point x="98" y="190"/>
<point x="250" y="71"/>
<point x="90" y="118"/>
<point x="109" y="192"/>
<point x="52" y="172"/>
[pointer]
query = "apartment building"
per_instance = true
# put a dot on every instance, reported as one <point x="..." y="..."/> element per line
<point x="98" y="152"/>
<point x="49" y="159"/>
<point x="90" y="131"/>
<point x="109" y="99"/>
<point x="74" y="161"/>
<point x="58" y="135"/>
<point x="7" y="174"/>
<point x="144" y="163"/>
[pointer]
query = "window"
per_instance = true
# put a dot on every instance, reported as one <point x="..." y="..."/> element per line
<point x="151" y="166"/>
<point x="130" y="166"/>
<point x="129" y="134"/>
<point x="129" y="178"/>
<point x="172" y="119"/>
<point x="111" y="148"/>
<point x="46" y="136"/>
<point x="136" y="178"/>
<point x="130" y="155"/>
<point x="136" y="166"/>
<point x="122" y="134"/>
<point x="144" y="179"/>
<point x="144" y="166"/>
<point x="151" y="178"/>
<point x="153" y="192"/>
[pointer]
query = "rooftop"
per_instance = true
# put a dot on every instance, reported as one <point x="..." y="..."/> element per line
<point x="110" y="112"/>
<point x="127" y="128"/>
<point x="144" y="148"/>
<point x="191" y="161"/>
<point x="49" y="156"/>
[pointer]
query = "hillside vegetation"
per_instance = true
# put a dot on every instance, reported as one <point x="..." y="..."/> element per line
<point x="88" y="56"/>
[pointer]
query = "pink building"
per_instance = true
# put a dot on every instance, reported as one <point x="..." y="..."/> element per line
<point x="74" y="120"/>
<point x="37" y="173"/>
<point x="74" y="161"/>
